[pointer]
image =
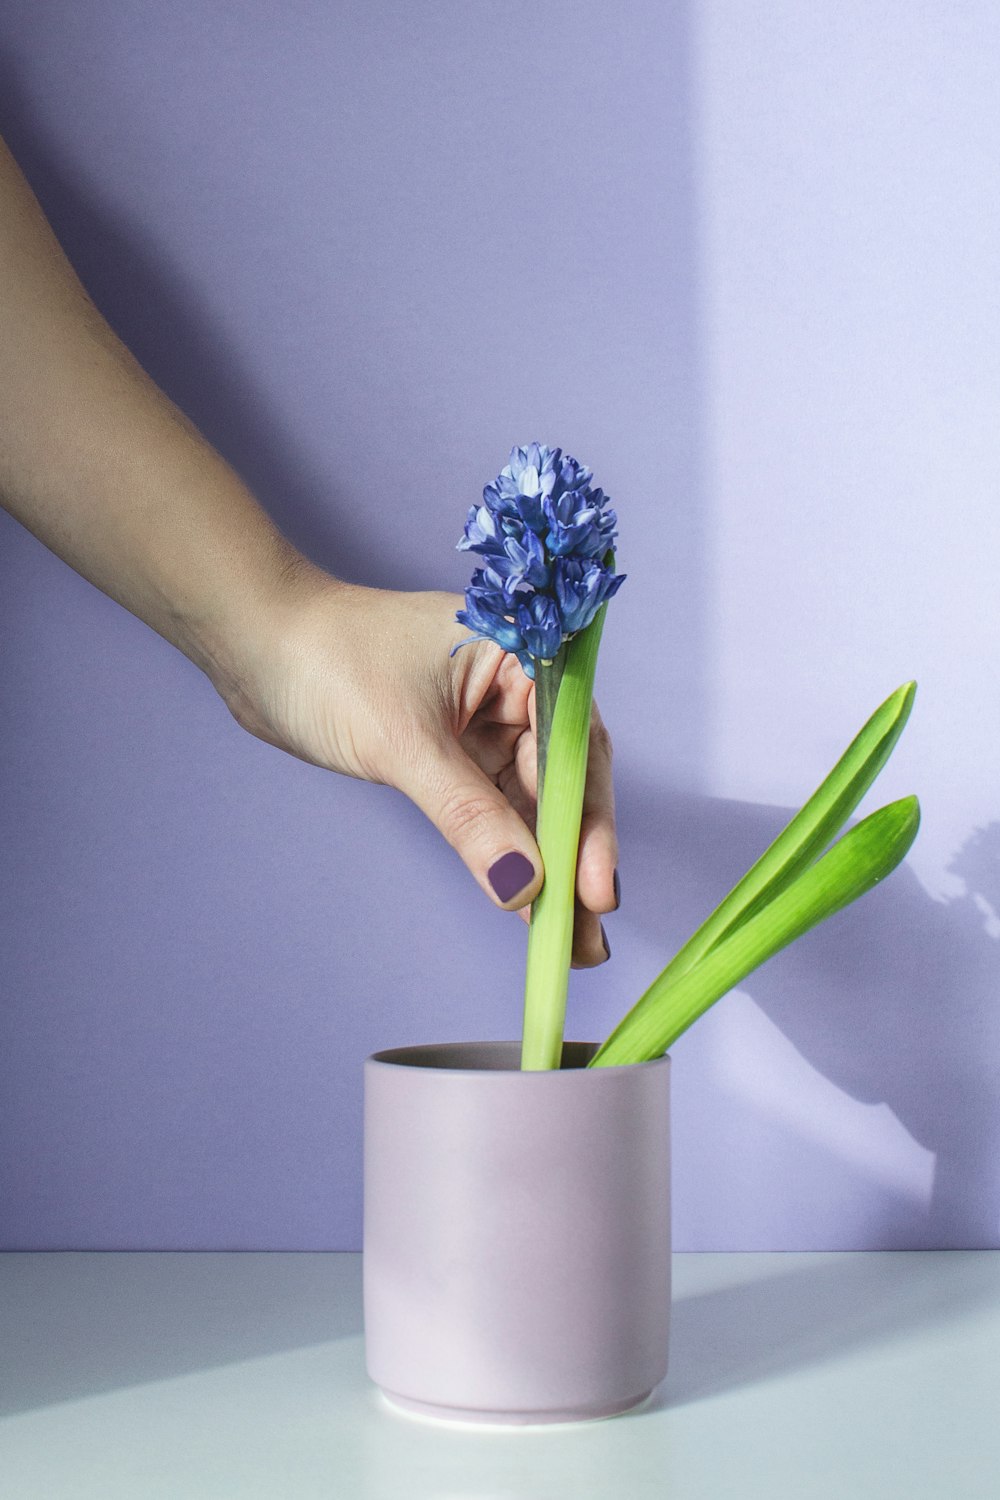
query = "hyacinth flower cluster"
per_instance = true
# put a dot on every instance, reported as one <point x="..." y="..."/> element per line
<point x="544" y="534"/>
<point x="546" y="538"/>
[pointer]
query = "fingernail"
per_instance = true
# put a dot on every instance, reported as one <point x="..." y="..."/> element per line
<point x="618" y="891"/>
<point x="510" y="874"/>
<point x="607" y="945"/>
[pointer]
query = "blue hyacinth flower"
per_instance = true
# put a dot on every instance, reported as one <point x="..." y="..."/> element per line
<point x="485" y="613"/>
<point x="546" y="537"/>
<point x="540" y="626"/>
<point x="580" y="589"/>
<point x="482" y="532"/>
<point x="522" y="563"/>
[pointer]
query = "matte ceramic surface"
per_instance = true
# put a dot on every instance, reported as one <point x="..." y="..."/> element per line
<point x="516" y="1232"/>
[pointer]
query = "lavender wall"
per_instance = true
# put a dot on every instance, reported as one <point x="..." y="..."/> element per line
<point x="738" y="260"/>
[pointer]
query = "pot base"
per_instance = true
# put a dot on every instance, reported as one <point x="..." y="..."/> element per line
<point x="467" y="1416"/>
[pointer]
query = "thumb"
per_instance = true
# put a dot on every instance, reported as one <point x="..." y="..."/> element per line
<point x="478" y="822"/>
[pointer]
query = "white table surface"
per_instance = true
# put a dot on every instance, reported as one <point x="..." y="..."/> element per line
<point x="242" y="1375"/>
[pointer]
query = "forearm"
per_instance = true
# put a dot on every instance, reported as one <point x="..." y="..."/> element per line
<point x="108" y="473"/>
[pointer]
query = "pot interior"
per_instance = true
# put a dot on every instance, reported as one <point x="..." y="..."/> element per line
<point x="479" y="1056"/>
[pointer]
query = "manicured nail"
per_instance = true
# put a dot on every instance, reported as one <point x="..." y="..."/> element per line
<point x="618" y="891"/>
<point x="607" y="945"/>
<point x="510" y="874"/>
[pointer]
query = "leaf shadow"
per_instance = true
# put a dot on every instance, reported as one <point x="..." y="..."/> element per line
<point x="894" y="1000"/>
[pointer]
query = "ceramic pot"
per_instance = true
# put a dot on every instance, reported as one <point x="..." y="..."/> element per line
<point x="516" y="1232"/>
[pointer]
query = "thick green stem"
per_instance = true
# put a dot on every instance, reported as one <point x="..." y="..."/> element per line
<point x="564" y="691"/>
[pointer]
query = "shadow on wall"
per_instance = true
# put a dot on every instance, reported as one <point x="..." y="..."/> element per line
<point x="895" y="1000"/>
<point x="177" y="341"/>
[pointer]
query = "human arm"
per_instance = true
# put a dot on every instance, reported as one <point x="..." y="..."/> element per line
<point x="99" y="464"/>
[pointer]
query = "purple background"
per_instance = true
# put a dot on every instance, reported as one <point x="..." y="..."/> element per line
<point x="741" y="260"/>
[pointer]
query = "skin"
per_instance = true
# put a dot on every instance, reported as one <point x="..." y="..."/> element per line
<point x="102" y="467"/>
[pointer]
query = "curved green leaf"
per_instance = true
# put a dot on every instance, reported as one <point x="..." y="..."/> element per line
<point x="858" y="861"/>
<point x="808" y="832"/>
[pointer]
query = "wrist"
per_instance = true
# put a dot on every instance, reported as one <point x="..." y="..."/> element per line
<point x="251" y="657"/>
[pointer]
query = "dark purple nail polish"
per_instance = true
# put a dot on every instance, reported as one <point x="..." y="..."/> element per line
<point x="618" y="891"/>
<point x="607" y="945"/>
<point x="510" y="874"/>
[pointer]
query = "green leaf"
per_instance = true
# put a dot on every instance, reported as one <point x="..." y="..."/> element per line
<point x="809" y="832"/>
<point x="858" y="861"/>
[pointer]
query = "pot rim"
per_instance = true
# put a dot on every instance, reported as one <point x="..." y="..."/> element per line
<point x="408" y="1057"/>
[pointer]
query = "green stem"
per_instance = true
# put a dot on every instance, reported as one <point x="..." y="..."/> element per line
<point x="548" y="676"/>
<point x="564" y="691"/>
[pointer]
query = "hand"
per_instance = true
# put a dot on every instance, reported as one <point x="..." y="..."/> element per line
<point x="360" y="681"/>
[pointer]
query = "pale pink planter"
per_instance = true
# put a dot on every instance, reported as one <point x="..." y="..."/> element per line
<point x="516" y="1232"/>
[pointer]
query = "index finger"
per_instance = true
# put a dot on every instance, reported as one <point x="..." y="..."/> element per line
<point x="597" y="862"/>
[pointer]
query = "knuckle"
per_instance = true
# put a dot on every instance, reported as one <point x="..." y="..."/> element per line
<point x="465" y="816"/>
